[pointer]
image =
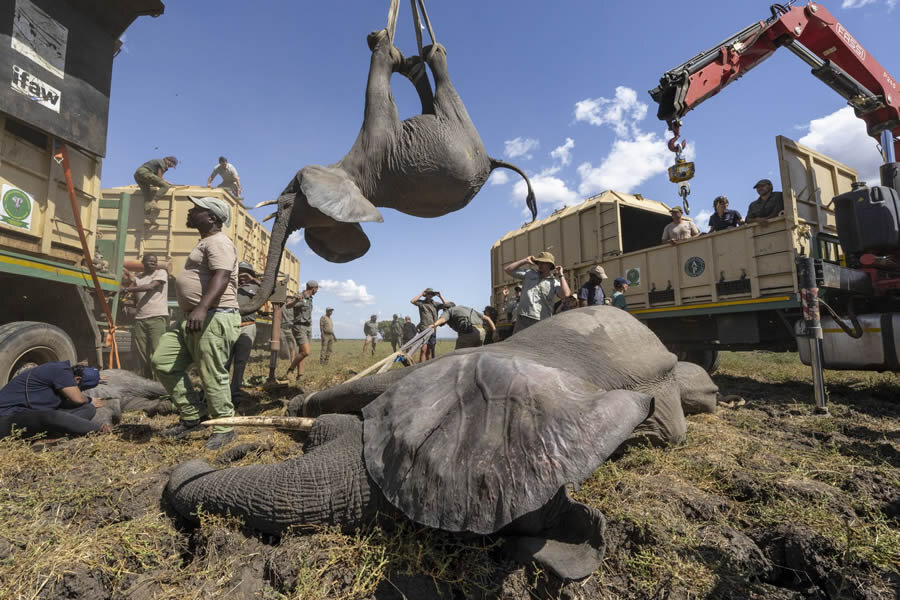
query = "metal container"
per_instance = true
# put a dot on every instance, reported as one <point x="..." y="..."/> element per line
<point x="877" y="349"/>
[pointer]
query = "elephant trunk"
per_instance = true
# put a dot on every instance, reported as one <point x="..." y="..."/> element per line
<point x="327" y="485"/>
<point x="280" y="231"/>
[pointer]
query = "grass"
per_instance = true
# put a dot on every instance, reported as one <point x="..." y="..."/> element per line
<point x="83" y="517"/>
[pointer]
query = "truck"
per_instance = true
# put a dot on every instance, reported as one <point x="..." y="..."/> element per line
<point x="53" y="117"/>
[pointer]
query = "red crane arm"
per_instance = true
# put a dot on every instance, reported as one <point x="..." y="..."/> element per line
<point x="810" y="32"/>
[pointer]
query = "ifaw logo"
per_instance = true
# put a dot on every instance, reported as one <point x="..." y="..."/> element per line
<point x="39" y="91"/>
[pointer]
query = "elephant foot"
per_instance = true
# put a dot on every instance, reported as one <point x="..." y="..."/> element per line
<point x="378" y="39"/>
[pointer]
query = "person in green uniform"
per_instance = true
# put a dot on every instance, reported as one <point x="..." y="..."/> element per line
<point x="370" y="330"/>
<point x="302" y="328"/>
<point x="240" y="354"/>
<point x="149" y="176"/>
<point x="207" y="295"/>
<point x="326" y="329"/>
<point x="620" y="285"/>
<point x="396" y="332"/>
<point x="409" y="329"/>
<point x="468" y="324"/>
<point x="428" y="312"/>
<point x="151" y="301"/>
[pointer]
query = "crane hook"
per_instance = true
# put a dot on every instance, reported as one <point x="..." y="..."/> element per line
<point x="675" y="147"/>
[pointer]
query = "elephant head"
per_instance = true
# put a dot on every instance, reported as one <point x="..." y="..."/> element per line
<point x="484" y="440"/>
<point x="425" y="166"/>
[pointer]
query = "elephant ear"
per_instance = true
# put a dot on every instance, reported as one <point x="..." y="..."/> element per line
<point x="337" y="243"/>
<point x="331" y="191"/>
<point x="475" y="440"/>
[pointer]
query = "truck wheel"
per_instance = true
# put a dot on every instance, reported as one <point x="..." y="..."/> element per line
<point x="27" y="344"/>
<point x="708" y="359"/>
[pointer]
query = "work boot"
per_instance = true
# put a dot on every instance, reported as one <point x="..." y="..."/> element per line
<point x="182" y="429"/>
<point x="217" y="440"/>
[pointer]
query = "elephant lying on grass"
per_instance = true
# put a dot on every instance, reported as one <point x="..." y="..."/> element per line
<point x="124" y="391"/>
<point x="482" y="440"/>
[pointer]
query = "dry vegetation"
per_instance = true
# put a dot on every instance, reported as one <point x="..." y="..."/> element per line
<point x="763" y="500"/>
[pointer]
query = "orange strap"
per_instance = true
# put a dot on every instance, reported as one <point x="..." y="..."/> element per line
<point x="111" y="335"/>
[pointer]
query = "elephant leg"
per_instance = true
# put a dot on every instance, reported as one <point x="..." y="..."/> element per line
<point x="381" y="117"/>
<point x="447" y="102"/>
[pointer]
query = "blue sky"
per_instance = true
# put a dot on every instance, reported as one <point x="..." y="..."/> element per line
<point x="559" y="88"/>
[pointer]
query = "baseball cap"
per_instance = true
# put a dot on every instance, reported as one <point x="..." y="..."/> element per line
<point x="312" y="283"/>
<point x="545" y="257"/>
<point x="216" y="206"/>
<point x="620" y="281"/>
<point x="172" y="160"/>
<point x="245" y="266"/>
<point x="760" y="182"/>
<point x="599" y="272"/>
<point x="329" y="309"/>
<point x="90" y="378"/>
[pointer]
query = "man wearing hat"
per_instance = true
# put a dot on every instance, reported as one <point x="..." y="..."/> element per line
<point x="302" y="328"/>
<point x="769" y="204"/>
<point x="326" y="329"/>
<point x="679" y="229"/>
<point x="48" y="399"/>
<point x="409" y="329"/>
<point x="150" y="176"/>
<point x="620" y="285"/>
<point x="396" y="332"/>
<point x="370" y="330"/>
<point x="240" y="353"/>
<point x="207" y="295"/>
<point x="591" y="294"/>
<point x="428" y="312"/>
<point x="467" y="322"/>
<point x="541" y="287"/>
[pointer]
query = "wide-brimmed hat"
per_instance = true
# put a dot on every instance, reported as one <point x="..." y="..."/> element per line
<point x="430" y="291"/>
<point x="172" y="160"/>
<point x="312" y="283"/>
<point x="216" y="206"/>
<point x="329" y="309"/>
<point x="760" y="182"/>
<point x="245" y="266"/>
<point x="598" y="272"/>
<point x="545" y="257"/>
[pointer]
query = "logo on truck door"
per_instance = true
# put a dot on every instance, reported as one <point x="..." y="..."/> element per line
<point x="15" y="207"/>
<point x="694" y="266"/>
<point x="633" y="275"/>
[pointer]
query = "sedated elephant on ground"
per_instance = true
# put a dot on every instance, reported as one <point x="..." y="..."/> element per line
<point x="426" y="166"/>
<point x="482" y="440"/>
<point x="124" y="391"/>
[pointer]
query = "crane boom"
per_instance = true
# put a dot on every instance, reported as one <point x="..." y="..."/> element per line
<point x="812" y="33"/>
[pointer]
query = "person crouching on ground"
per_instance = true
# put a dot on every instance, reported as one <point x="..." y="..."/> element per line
<point x="207" y="295"/>
<point x="370" y="330"/>
<point x="541" y="287"/>
<point x="467" y="322"/>
<point x="48" y="399"/>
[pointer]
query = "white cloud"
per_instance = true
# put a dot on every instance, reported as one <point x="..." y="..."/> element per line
<point x="842" y="136"/>
<point x="701" y="219"/>
<point x="349" y="291"/>
<point x="621" y="113"/>
<point x="296" y="238"/>
<point x="520" y="147"/>
<point x="551" y="193"/>
<point x="498" y="177"/>
<point x="891" y="4"/>
<point x="564" y="153"/>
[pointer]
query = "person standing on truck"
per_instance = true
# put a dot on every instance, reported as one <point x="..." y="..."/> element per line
<point x="149" y="177"/>
<point x="207" y="295"/>
<point x="679" y="229"/>
<point x="151" y="299"/>
<point x="467" y="322"/>
<point x="591" y="294"/>
<point x="620" y="285"/>
<point x="769" y="204"/>
<point x="240" y="352"/>
<point x="409" y="329"/>
<point x="370" y="330"/>
<point x="231" y="182"/>
<point x="396" y="332"/>
<point x="48" y="399"/>
<point x="326" y="331"/>
<point x="302" y="328"/>
<point x="723" y="218"/>
<point x="428" y="312"/>
<point x="540" y="288"/>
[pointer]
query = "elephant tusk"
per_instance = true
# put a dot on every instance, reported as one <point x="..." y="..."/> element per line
<point x="266" y="203"/>
<point x="294" y="423"/>
<point x="272" y="216"/>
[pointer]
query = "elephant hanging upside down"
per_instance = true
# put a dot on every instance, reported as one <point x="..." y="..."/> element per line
<point x="426" y="166"/>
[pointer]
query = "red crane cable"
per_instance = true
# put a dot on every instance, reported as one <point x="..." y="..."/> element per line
<point x="76" y="213"/>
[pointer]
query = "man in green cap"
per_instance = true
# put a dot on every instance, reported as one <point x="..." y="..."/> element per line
<point x="326" y="330"/>
<point x="541" y="286"/>
<point x="428" y="312"/>
<point x="302" y="329"/>
<point x="240" y="353"/>
<point x="207" y="294"/>
<point x="149" y="177"/>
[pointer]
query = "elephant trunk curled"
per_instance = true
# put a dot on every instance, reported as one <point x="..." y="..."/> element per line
<point x="280" y="231"/>
<point x="327" y="485"/>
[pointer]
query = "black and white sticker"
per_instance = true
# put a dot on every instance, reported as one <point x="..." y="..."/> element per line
<point x="36" y="89"/>
<point x="39" y="37"/>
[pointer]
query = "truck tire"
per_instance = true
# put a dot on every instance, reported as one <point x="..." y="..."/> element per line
<point x="708" y="359"/>
<point x="28" y="344"/>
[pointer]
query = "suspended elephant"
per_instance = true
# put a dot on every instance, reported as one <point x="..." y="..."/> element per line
<point x="426" y="166"/>
<point x="482" y="440"/>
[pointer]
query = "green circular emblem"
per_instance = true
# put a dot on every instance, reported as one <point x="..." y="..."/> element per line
<point x="633" y="276"/>
<point x="694" y="266"/>
<point x="16" y="204"/>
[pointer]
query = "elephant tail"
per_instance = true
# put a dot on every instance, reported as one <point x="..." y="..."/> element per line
<point x="529" y="200"/>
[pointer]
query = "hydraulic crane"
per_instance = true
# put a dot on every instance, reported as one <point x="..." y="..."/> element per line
<point x="812" y="33"/>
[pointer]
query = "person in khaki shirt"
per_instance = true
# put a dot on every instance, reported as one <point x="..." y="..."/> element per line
<point x="326" y="330"/>
<point x="151" y="298"/>
<point x="207" y="294"/>
<point x="679" y="229"/>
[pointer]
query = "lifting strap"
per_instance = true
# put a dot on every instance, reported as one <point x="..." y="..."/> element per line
<point x="76" y="213"/>
<point x="393" y="12"/>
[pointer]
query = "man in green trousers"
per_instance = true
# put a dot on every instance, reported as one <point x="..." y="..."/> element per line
<point x="207" y="294"/>
<point x="149" y="177"/>
<point x="151" y="299"/>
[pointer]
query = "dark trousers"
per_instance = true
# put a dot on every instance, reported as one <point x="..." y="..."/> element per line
<point x="62" y="421"/>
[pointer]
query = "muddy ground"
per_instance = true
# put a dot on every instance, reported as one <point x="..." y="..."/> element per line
<point x="765" y="499"/>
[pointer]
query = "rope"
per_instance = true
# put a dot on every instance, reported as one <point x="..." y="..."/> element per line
<point x="427" y="22"/>
<point x="76" y="213"/>
<point x="417" y="25"/>
<point x="393" y="13"/>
